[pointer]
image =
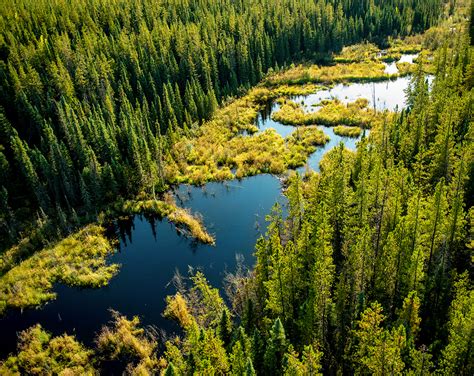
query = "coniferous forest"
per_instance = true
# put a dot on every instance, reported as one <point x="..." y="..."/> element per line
<point x="107" y="108"/>
<point x="93" y="93"/>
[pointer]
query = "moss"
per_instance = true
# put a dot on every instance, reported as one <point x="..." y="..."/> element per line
<point x="78" y="260"/>
<point x="345" y="131"/>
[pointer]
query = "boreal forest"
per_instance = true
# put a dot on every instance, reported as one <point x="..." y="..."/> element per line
<point x="236" y="187"/>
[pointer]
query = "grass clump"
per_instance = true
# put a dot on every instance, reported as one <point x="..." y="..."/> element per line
<point x="151" y="206"/>
<point x="192" y="224"/>
<point x="124" y="340"/>
<point x="357" y="53"/>
<point x="308" y="137"/>
<point x="405" y="69"/>
<point x="78" y="260"/>
<point x="302" y="142"/>
<point x="40" y="354"/>
<point x="345" y="131"/>
<point x="368" y="70"/>
<point x="188" y="223"/>
<point x="332" y="113"/>
<point x="294" y="90"/>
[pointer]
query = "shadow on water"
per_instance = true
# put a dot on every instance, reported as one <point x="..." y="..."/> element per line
<point x="150" y="252"/>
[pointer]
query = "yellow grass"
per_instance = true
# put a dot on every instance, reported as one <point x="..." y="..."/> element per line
<point x="368" y="70"/>
<point x="332" y="113"/>
<point x="79" y="260"/>
<point x="345" y="131"/>
<point x="188" y="223"/>
<point x="357" y="53"/>
<point x="194" y="225"/>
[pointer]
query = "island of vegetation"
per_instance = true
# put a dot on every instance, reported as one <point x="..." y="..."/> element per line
<point x="105" y="106"/>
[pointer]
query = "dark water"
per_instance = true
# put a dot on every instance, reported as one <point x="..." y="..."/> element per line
<point x="151" y="251"/>
<point x="234" y="212"/>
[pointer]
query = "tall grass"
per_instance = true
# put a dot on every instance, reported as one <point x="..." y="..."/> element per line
<point x="357" y="53"/>
<point x="78" y="260"/>
<point x="191" y="223"/>
<point x="368" y="70"/>
<point x="332" y="113"/>
<point x="345" y="131"/>
<point x="188" y="223"/>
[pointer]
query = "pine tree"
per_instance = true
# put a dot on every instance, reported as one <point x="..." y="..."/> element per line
<point x="378" y="350"/>
<point x="457" y="356"/>
<point x="276" y="349"/>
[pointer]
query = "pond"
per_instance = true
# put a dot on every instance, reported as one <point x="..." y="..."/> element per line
<point x="383" y="95"/>
<point x="151" y="251"/>
<point x="391" y="68"/>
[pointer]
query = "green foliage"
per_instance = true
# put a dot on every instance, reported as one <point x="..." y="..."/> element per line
<point x="381" y="229"/>
<point x="457" y="356"/>
<point x="276" y="350"/>
<point x="125" y="340"/>
<point x="344" y="131"/>
<point x="39" y="353"/>
<point x="309" y="364"/>
<point x="359" y="277"/>
<point x="78" y="260"/>
<point x="201" y="312"/>
<point x="378" y="350"/>
<point x="94" y="94"/>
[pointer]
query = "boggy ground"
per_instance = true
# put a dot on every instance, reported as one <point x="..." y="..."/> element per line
<point x="229" y="145"/>
<point x="226" y="147"/>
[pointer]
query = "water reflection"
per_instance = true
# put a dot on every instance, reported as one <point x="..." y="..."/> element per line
<point x="151" y="250"/>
